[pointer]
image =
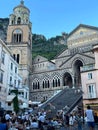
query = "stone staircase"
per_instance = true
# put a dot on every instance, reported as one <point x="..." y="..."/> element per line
<point x="65" y="100"/>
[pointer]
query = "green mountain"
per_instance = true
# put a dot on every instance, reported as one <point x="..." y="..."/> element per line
<point x="47" y="48"/>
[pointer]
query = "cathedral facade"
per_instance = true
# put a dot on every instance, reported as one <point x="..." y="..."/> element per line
<point x="46" y="78"/>
<point x="49" y="77"/>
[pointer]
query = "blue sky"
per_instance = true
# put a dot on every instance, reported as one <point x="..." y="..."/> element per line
<point x="52" y="17"/>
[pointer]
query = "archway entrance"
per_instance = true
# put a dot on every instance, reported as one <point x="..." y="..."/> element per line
<point x="67" y="80"/>
<point x="77" y="74"/>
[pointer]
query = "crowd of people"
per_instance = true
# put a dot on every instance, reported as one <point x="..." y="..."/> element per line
<point x="40" y="120"/>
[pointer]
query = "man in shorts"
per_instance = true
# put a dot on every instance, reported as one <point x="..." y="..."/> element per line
<point x="90" y="118"/>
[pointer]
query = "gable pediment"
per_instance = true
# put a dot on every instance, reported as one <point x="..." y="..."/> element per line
<point x="85" y="59"/>
<point x="83" y="34"/>
<point x="64" y="53"/>
<point x="39" y="59"/>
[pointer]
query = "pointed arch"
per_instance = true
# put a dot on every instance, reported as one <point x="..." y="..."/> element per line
<point x="67" y="79"/>
<point x="48" y="84"/>
<point x="58" y="82"/>
<point x="53" y="83"/>
<point x="77" y="74"/>
<point x="43" y="84"/>
<point x="38" y="85"/>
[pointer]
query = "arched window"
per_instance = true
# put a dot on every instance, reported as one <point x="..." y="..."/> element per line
<point x="53" y="83"/>
<point x="48" y="84"/>
<point x="17" y="36"/>
<point x="18" y="58"/>
<point x="43" y="84"/>
<point x="19" y="20"/>
<point x="26" y="20"/>
<point x="12" y="22"/>
<point x="14" y="56"/>
<point x="58" y="82"/>
<point x="38" y="85"/>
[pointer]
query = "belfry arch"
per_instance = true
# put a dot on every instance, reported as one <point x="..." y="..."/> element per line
<point x="76" y="72"/>
<point x="67" y="80"/>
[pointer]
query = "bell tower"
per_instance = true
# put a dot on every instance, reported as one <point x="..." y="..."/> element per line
<point x="19" y="39"/>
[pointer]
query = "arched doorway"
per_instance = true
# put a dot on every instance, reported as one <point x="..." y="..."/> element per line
<point x="67" y="80"/>
<point x="77" y="75"/>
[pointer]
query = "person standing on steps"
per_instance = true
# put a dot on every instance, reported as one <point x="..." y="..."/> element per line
<point x="90" y="118"/>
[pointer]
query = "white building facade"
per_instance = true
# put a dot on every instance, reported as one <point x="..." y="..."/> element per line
<point x="10" y="80"/>
<point x="4" y="63"/>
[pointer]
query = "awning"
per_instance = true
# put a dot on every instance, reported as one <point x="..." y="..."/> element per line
<point x="10" y="98"/>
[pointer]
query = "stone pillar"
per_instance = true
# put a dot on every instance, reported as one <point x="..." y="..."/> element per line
<point x="73" y="81"/>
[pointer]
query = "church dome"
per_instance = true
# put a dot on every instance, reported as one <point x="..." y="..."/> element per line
<point x="21" y="9"/>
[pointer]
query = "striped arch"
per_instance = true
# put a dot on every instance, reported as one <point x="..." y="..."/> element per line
<point x="56" y="82"/>
<point x="45" y="84"/>
<point x="35" y="84"/>
<point x="76" y="66"/>
<point x="45" y="81"/>
<point x="78" y="59"/>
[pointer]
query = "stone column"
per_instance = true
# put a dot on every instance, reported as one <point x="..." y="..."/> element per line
<point x="73" y="81"/>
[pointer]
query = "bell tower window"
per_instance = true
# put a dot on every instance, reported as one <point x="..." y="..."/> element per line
<point x="14" y="57"/>
<point x="17" y="36"/>
<point x="12" y="22"/>
<point x="18" y="58"/>
<point x="19" y="20"/>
